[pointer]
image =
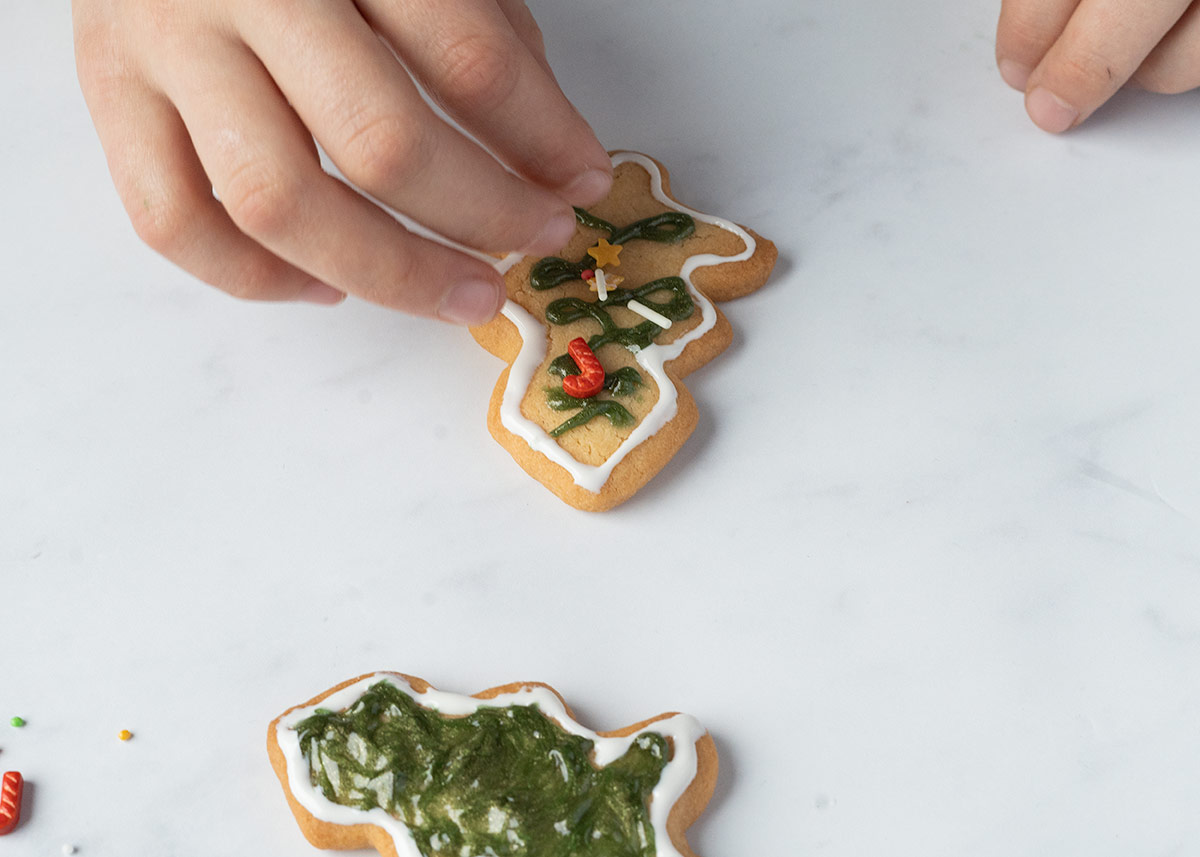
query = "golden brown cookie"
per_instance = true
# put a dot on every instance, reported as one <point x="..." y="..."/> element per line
<point x="389" y="761"/>
<point x="633" y="291"/>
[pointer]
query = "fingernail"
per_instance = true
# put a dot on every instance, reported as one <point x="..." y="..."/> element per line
<point x="588" y="188"/>
<point x="554" y="235"/>
<point x="1014" y="73"/>
<point x="470" y="302"/>
<point x="1049" y="112"/>
<point x="316" y="292"/>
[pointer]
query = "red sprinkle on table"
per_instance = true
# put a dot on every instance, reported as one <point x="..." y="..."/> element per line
<point x="590" y="379"/>
<point x="10" y="801"/>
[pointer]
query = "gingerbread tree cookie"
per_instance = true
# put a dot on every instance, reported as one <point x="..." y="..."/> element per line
<point x="598" y="337"/>
<point x="389" y="761"/>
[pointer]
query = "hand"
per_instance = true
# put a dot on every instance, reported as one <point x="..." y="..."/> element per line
<point x="193" y="98"/>
<point x="1070" y="56"/>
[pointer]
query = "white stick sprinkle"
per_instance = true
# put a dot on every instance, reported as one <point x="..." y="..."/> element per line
<point x="649" y="314"/>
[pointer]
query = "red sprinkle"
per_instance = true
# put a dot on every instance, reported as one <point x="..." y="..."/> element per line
<point x="590" y="379"/>
<point x="587" y="274"/>
<point x="11" y="786"/>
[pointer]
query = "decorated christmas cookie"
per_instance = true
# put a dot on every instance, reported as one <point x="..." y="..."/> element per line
<point x="598" y="337"/>
<point x="387" y="760"/>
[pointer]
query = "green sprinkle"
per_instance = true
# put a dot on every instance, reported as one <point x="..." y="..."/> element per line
<point x="17" y="722"/>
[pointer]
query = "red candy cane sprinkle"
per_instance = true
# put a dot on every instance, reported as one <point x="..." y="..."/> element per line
<point x="590" y="379"/>
<point x="10" y="801"/>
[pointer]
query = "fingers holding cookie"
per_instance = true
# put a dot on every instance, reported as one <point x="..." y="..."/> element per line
<point x="265" y="171"/>
<point x="193" y="97"/>
<point x="350" y="91"/>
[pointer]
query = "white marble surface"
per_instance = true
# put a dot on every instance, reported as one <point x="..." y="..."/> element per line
<point x="929" y="568"/>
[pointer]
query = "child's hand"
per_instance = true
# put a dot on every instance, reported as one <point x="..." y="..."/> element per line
<point x="1070" y="56"/>
<point x="196" y="96"/>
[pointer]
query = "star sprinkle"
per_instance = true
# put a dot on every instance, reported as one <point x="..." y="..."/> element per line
<point x="605" y="253"/>
<point x="599" y="282"/>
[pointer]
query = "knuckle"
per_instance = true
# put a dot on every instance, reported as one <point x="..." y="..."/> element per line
<point x="164" y="225"/>
<point x="261" y="200"/>
<point x="477" y="74"/>
<point x="383" y="151"/>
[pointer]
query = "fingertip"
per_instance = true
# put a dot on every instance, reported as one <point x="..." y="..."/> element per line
<point x="1014" y="73"/>
<point x="471" y="302"/>
<point x="1050" y="112"/>
<point x="553" y="236"/>
<point x="322" y="294"/>
<point x="589" y="187"/>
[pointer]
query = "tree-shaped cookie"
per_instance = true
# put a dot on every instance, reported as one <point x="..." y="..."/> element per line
<point x="388" y="760"/>
<point x="598" y="337"/>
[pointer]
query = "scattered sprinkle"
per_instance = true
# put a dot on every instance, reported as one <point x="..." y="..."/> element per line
<point x="124" y="734"/>
<point x="18" y="722"/>
<point x="69" y="849"/>
<point x="11" y="786"/>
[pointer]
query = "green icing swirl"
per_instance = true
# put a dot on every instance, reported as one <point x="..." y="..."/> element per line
<point x="665" y="228"/>
<point x="623" y="382"/>
<point x="677" y="307"/>
<point x="504" y="781"/>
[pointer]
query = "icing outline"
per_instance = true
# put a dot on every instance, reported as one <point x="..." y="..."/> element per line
<point x="653" y="359"/>
<point x="682" y="729"/>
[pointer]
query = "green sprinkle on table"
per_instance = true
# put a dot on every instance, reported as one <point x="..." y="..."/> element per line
<point x="17" y="722"/>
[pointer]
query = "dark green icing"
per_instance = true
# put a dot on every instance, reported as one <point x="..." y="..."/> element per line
<point x="623" y="382"/>
<point x="665" y="228"/>
<point x="617" y="414"/>
<point x="586" y="218"/>
<point x="676" y="307"/>
<point x="504" y="781"/>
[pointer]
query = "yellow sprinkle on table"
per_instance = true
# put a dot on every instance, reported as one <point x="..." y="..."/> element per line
<point x="124" y="734"/>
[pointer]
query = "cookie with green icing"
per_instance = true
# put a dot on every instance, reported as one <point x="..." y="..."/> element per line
<point x="387" y="760"/>
<point x="638" y="284"/>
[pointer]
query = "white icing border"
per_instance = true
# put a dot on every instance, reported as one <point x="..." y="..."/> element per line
<point x="683" y="730"/>
<point x="653" y="359"/>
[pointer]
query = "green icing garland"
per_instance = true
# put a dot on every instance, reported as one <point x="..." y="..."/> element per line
<point x="666" y="228"/>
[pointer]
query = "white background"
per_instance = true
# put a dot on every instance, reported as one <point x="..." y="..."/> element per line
<point x="928" y="569"/>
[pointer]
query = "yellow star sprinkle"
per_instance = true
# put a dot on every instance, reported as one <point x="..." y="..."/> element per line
<point x="606" y="254"/>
